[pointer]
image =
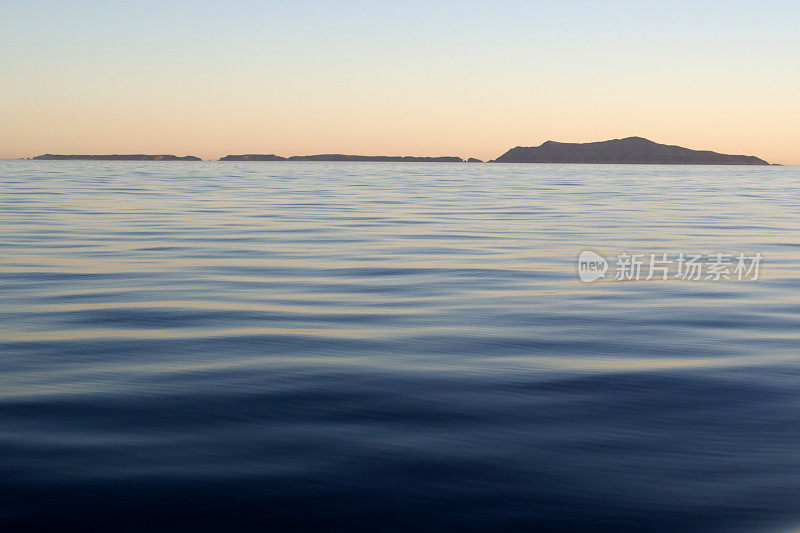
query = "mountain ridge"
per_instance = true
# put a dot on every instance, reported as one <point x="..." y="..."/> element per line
<point x="346" y="157"/>
<point x="116" y="157"/>
<point x="628" y="150"/>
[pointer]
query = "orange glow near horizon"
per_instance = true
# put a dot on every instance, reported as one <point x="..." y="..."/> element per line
<point x="362" y="79"/>
<point x="459" y="136"/>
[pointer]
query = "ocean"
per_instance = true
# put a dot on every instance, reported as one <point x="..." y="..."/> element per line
<point x="212" y="346"/>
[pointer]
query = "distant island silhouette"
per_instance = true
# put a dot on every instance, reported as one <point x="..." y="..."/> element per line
<point x="631" y="150"/>
<point x="344" y="157"/>
<point x="119" y="157"/>
<point x="253" y="157"/>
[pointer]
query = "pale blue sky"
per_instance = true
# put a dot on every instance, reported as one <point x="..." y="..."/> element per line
<point x="460" y="78"/>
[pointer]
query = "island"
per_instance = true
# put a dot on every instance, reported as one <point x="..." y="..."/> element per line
<point x="344" y="157"/>
<point x="631" y="150"/>
<point x="117" y="157"/>
<point x="253" y="157"/>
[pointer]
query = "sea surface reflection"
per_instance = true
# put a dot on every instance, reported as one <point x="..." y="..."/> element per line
<point x="222" y="346"/>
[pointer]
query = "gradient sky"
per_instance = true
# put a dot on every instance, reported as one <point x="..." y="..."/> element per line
<point x="396" y="78"/>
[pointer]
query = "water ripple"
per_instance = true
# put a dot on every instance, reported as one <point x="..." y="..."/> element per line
<point x="233" y="346"/>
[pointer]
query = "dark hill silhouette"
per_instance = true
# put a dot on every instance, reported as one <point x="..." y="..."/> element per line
<point x="118" y="157"/>
<point x="376" y="158"/>
<point x="253" y="157"/>
<point x="628" y="150"/>
<point x="344" y="157"/>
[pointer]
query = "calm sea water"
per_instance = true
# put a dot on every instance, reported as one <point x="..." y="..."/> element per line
<point x="222" y="346"/>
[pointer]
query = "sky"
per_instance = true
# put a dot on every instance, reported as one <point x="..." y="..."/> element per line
<point x="470" y="79"/>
